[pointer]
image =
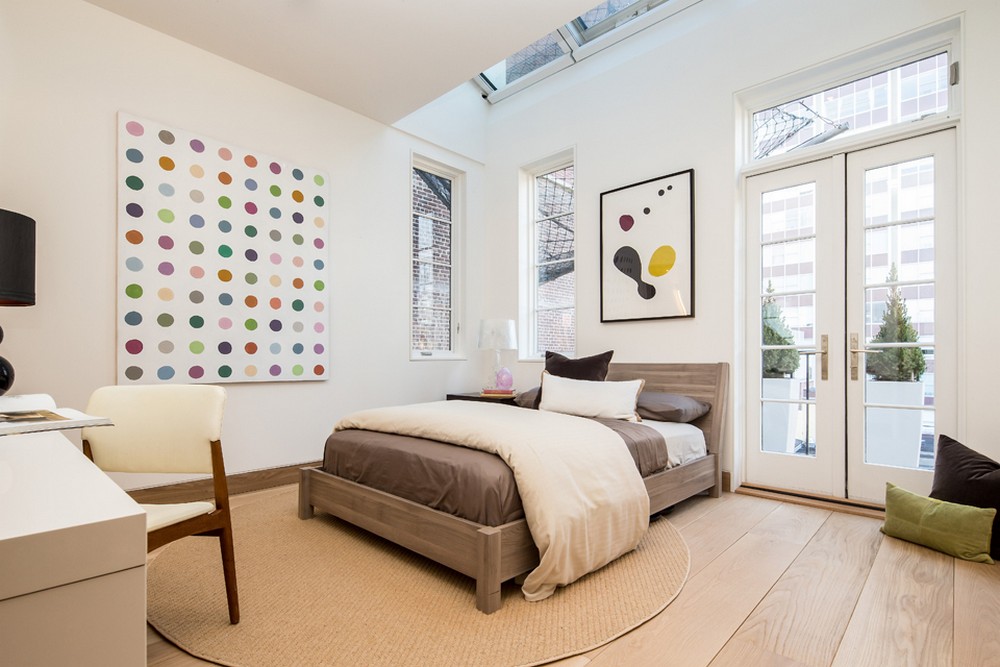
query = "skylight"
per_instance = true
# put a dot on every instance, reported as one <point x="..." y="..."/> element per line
<point x="531" y="58"/>
<point x="588" y="33"/>
<point x="609" y="15"/>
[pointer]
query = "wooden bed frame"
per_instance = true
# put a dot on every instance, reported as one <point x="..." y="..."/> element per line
<point x="494" y="554"/>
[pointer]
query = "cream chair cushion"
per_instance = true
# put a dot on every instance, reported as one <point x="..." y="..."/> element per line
<point x="166" y="514"/>
<point x="157" y="428"/>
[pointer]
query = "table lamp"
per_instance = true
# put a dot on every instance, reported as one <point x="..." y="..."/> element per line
<point x="498" y="335"/>
<point x="17" y="273"/>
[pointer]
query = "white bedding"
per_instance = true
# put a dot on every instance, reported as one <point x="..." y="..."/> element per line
<point x="583" y="498"/>
<point x="684" y="442"/>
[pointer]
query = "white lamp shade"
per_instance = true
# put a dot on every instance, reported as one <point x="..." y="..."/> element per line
<point x="497" y="335"/>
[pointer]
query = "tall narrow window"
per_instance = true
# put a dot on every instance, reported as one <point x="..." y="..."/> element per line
<point x="433" y="298"/>
<point x="553" y="276"/>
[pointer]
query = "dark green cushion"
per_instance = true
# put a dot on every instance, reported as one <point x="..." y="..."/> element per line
<point x="961" y="531"/>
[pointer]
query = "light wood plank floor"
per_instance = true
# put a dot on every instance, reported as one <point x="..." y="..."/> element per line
<point x="784" y="585"/>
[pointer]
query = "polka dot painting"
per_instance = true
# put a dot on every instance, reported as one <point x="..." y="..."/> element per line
<point x="222" y="261"/>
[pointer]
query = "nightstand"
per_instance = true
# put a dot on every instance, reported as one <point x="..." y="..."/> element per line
<point x="506" y="400"/>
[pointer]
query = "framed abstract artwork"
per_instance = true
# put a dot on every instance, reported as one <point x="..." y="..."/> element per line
<point x="222" y="261"/>
<point x="647" y="249"/>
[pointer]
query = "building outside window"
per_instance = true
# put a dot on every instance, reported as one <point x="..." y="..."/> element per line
<point x="433" y="323"/>
<point x="894" y="96"/>
<point x="552" y="246"/>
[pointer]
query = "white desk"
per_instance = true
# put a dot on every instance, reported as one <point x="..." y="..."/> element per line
<point x="72" y="559"/>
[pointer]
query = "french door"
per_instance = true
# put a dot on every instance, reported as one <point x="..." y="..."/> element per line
<point x="851" y="341"/>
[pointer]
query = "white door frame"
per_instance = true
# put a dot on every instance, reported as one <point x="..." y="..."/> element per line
<point x="824" y="473"/>
<point x="948" y="282"/>
<point x="866" y="481"/>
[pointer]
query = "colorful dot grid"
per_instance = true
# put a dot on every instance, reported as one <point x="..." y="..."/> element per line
<point x="223" y="260"/>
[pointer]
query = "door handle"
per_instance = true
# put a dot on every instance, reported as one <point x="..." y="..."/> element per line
<point x="824" y="357"/>
<point x="855" y="351"/>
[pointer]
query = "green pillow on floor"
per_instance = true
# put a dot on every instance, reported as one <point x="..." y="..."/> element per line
<point x="961" y="531"/>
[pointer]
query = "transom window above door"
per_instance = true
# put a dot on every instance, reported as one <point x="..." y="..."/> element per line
<point x="911" y="91"/>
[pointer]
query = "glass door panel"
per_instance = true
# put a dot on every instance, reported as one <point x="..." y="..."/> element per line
<point x="795" y="439"/>
<point x="787" y="265"/>
<point x="851" y="337"/>
<point x="901" y="250"/>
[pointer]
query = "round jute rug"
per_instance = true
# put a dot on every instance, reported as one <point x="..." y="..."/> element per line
<point x="322" y="592"/>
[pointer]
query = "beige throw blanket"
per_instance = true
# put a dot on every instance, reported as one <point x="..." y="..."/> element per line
<point x="583" y="498"/>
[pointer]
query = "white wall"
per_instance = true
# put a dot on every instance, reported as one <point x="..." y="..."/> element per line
<point x="435" y="122"/>
<point x="66" y="69"/>
<point x="664" y="102"/>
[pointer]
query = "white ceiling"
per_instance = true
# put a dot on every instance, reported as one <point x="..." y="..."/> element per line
<point x="381" y="58"/>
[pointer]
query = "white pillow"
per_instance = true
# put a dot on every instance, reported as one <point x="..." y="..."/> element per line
<point x="587" y="398"/>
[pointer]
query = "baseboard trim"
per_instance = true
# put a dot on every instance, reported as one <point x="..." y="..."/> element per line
<point x="201" y="489"/>
<point x="834" y="504"/>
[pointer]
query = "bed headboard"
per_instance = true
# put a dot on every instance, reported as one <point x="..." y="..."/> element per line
<point x="706" y="382"/>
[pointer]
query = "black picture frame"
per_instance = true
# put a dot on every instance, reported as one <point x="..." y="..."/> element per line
<point x="647" y="249"/>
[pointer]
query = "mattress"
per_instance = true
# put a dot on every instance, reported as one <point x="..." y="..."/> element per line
<point x="684" y="442"/>
<point x="477" y="485"/>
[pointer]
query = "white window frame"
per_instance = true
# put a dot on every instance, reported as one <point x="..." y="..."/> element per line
<point x="927" y="41"/>
<point x="492" y="94"/>
<point x="578" y="45"/>
<point x="528" y="325"/>
<point x="458" y="181"/>
<point x="942" y="36"/>
<point x="633" y="16"/>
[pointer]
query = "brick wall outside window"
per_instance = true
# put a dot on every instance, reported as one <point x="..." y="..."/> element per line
<point x="431" y="243"/>
<point x="554" y="234"/>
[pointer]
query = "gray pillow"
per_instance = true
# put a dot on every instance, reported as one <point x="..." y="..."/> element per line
<point x="528" y="399"/>
<point x="665" y="407"/>
<point x="655" y="405"/>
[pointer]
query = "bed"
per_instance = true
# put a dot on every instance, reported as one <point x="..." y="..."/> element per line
<point x="492" y="554"/>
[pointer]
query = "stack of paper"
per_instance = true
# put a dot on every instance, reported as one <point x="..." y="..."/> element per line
<point x="30" y="413"/>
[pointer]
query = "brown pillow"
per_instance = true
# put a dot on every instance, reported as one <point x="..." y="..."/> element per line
<point x="665" y="407"/>
<point x="585" y="368"/>
<point x="966" y="477"/>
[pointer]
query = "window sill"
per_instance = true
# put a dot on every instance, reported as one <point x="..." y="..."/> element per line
<point x="438" y="356"/>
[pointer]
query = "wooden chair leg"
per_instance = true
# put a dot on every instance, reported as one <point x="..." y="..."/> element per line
<point x="229" y="572"/>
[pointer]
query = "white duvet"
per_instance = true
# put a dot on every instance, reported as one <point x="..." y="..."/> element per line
<point x="583" y="498"/>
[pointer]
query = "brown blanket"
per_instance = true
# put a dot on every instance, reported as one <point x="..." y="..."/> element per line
<point x="464" y="482"/>
<point x="584" y="501"/>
